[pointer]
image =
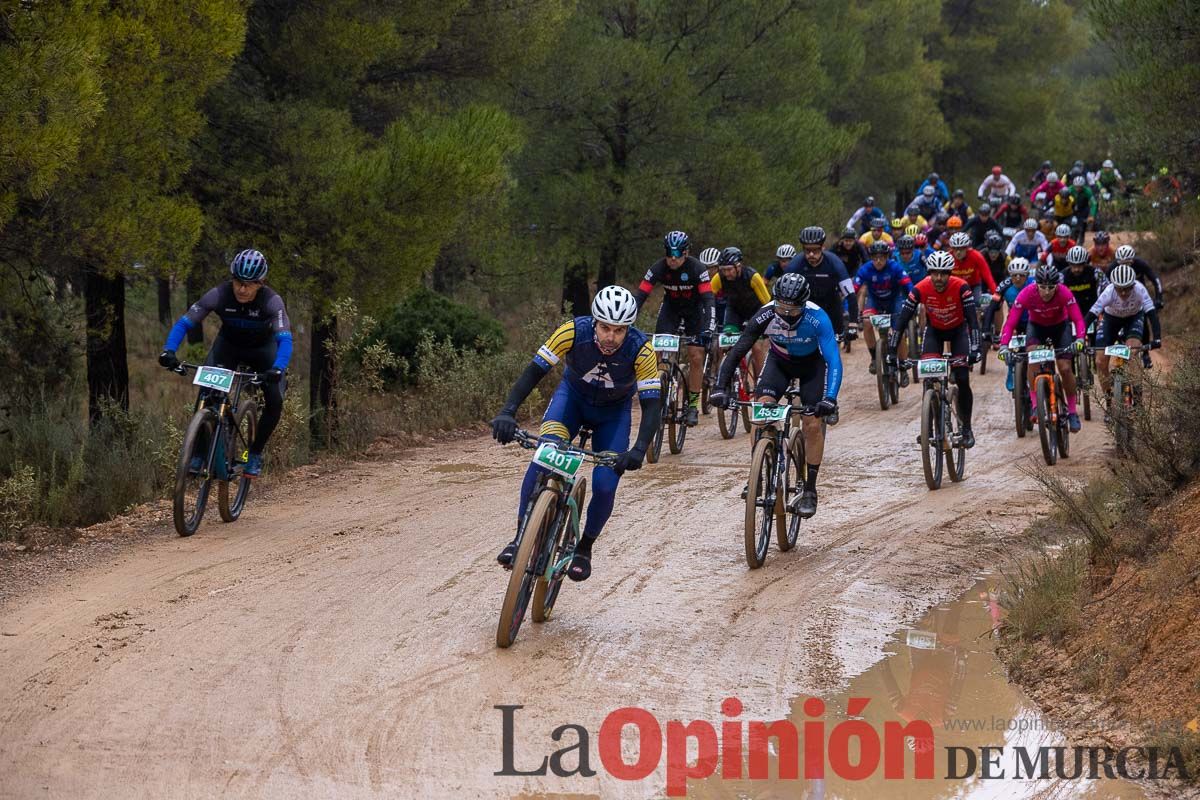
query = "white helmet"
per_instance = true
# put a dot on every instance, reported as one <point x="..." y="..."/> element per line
<point x="1108" y="164"/>
<point x="785" y="251"/>
<point x="1052" y="177"/>
<point x="1125" y="253"/>
<point x="1077" y="255"/>
<point x="1030" y="224"/>
<point x="1123" y="276"/>
<point x="615" y="305"/>
<point x="709" y="257"/>
<point x="1078" y="181"/>
<point x="1063" y="230"/>
<point x="940" y="261"/>
<point x="1018" y="266"/>
<point x="927" y="191"/>
<point x="960" y="239"/>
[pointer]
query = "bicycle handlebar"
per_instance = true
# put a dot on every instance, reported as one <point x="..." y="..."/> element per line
<point x="528" y="441"/>
<point x="1100" y="350"/>
<point x="254" y="378"/>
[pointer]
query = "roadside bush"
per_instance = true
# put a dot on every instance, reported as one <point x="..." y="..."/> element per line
<point x="1174" y="240"/>
<point x="1043" y="599"/>
<point x="427" y="314"/>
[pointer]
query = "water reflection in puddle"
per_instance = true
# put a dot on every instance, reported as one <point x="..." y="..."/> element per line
<point x="943" y="671"/>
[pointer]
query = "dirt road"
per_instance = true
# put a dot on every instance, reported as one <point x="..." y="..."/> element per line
<point x="339" y="639"/>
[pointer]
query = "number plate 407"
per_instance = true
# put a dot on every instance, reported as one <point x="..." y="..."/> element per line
<point x="214" y="378"/>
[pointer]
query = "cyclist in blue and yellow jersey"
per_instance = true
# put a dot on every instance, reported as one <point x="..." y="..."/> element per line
<point x="876" y="234"/>
<point x="607" y="361"/>
<point x="884" y="284"/>
<point x="688" y="300"/>
<point x="910" y="258"/>
<point x="744" y="292"/>
<point x="254" y="331"/>
<point x="804" y="348"/>
<point x="912" y="216"/>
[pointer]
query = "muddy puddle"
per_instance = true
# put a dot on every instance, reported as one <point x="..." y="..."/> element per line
<point x="942" y="671"/>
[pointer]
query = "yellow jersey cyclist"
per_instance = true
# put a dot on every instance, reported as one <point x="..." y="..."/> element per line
<point x="688" y="298"/>
<point x="744" y="292"/>
<point x="607" y="361"/>
<point x="254" y="331"/>
<point x="804" y="348"/>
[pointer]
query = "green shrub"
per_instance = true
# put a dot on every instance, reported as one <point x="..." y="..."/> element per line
<point x="427" y="314"/>
<point x="1043" y="598"/>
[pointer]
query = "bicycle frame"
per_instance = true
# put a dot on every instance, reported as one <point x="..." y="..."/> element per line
<point x="226" y="407"/>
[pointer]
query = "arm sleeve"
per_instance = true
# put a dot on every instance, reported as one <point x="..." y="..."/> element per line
<point x="651" y="418"/>
<point x="521" y="389"/>
<point x="645" y="287"/>
<point x="1155" y="323"/>
<point x="1010" y="322"/>
<point x="828" y="344"/>
<point x="283" y="332"/>
<point x="1153" y="276"/>
<point x="178" y="331"/>
<point x="715" y="285"/>
<point x="1075" y="315"/>
<point x="754" y="328"/>
<point x="906" y="313"/>
<point x="983" y="187"/>
<point x="645" y="370"/>
<point x="283" y="352"/>
<point x="989" y="313"/>
<point x="760" y="289"/>
<point x="854" y="218"/>
<point x="985" y="274"/>
<point x="193" y="317"/>
<point x="971" y="313"/>
<point x="845" y="285"/>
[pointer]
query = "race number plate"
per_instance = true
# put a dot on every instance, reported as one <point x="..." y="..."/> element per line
<point x="1040" y="355"/>
<point x="933" y="367"/>
<point x="727" y="340"/>
<point x="214" y="378"/>
<point x="762" y="412"/>
<point x="1117" y="351"/>
<point x="1009" y="233"/>
<point x="555" y="460"/>
<point x="1016" y="342"/>
<point x="881" y="321"/>
<point x="922" y="640"/>
<point x="665" y="343"/>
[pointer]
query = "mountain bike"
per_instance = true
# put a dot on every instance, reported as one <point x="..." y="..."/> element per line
<point x="778" y="469"/>
<point x="1085" y="371"/>
<point x="672" y="377"/>
<point x="1126" y="391"/>
<point x="1022" y="410"/>
<point x="216" y="446"/>
<point x="1053" y="428"/>
<point x="742" y="384"/>
<point x="941" y="430"/>
<point x="887" y="381"/>
<point x="548" y="533"/>
<point x="712" y="366"/>
<point x="916" y="330"/>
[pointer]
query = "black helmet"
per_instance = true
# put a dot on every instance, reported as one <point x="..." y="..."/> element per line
<point x="1047" y="275"/>
<point x="849" y="233"/>
<point x="1064" y="192"/>
<point x="985" y="208"/>
<point x="878" y="248"/>
<point x="1102" y="237"/>
<point x="1046" y="164"/>
<point x="813" y="234"/>
<point x="676" y="242"/>
<point x="792" y="287"/>
<point x="877" y="222"/>
<point x="905" y="242"/>
<point x="994" y="241"/>
<point x="959" y="193"/>
<point x="730" y="256"/>
<point x="934" y="177"/>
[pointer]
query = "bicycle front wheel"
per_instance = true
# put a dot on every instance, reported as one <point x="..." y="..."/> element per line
<point x="1047" y="425"/>
<point x="192" y="478"/>
<point x="931" y="437"/>
<point x="956" y="454"/>
<point x="1020" y="398"/>
<point x="793" y="483"/>
<point x="1084" y="380"/>
<point x="231" y="494"/>
<point x="1064" y="426"/>
<point x="760" y="501"/>
<point x="545" y="591"/>
<point x="727" y="418"/>
<point x="668" y="391"/>
<point x="881" y="378"/>
<point x="538" y="537"/>
<point x="679" y="408"/>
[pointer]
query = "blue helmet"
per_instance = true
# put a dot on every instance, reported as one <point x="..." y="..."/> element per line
<point x="249" y="265"/>
<point x="676" y="242"/>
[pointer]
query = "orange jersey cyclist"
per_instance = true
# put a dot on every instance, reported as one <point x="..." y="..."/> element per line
<point x="607" y="361"/>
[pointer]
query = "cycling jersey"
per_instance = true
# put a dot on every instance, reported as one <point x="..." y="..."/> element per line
<point x="997" y="265"/>
<point x="1086" y="284"/>
<point x="973" y="269"/>
<point x="940" y="190"/>
<point x="864" y="216"/>
<point x="928" y="206"/>
<point x="1111" y="303"/>
<point x="1057" y="251"/>
<point x="1063" y="206"/>
<point x="853" y="258"/>
<point x="812" y="333"/>
<point x="867" y="239"/>
<point x="1102" y="258"/>
<point x="963" y="211"/>
<point x="599" y="379"/>
<point x="1011" y="216"/>
<point x="1143" y="272"/>
<point x="978" y="229"/>
<point x="999" y="187"/>
<point x="914" y="265"/>
<point x="906" y="220"/>
<point x="243" y="325"/>
<point x="1060" y="308"/>
<point x="829" y="282"/>
<point x="1084" y="201"/>
<point x="688" y="284"/>
<point x="745" y="294"/>
<point x="1108" y="179"/>
<point x="1050" y="189"/>
<point x="886" y="288"/>
<point x="945" y="310"/>
<point x="1007" y="293"/>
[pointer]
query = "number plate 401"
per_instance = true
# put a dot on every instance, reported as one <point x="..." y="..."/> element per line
<point x="555" y="460"/>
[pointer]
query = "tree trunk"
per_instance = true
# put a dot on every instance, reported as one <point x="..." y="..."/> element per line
<point x="576" y="294"/>
<point x="614" y="216"/>
<point x="164" y="301"/>
<point x="322" y="412"/>
<point x="107" y="367"/>
<point x="194" y="286"/>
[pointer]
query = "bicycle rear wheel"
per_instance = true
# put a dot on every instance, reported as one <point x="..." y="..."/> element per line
<point x="761" y="502"/>
<point x="1020" y="398"/>
<point x="956" y="454"/>
<point x="727" y="418"/>
<point x="545" y="592"/>
<point x="1084" y="379"/>
<point x="192" y="486"/>
<point x="231" y="494"/>
<point x="1046" y="424"/>
<point x="914" y="350"/>
<point x="521" y="580"/>
<point x="677" y="428"/>
<point x="1064" y="426"/>
<point x="881" y="380"/>
<point x="664" y="381"/>
<point x="711" y="362"/>
<point x="931" y="437"/>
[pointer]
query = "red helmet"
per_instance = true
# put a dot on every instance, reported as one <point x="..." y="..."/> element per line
<point x="920" y="240"/>
<point x="996" y="170"/>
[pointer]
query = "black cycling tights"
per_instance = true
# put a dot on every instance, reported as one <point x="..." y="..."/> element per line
<point x="259" y="358"/>
<point x="966" y="398"/>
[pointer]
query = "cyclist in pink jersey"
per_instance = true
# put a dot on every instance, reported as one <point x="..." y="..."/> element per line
<point x="1054" y="319"/>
